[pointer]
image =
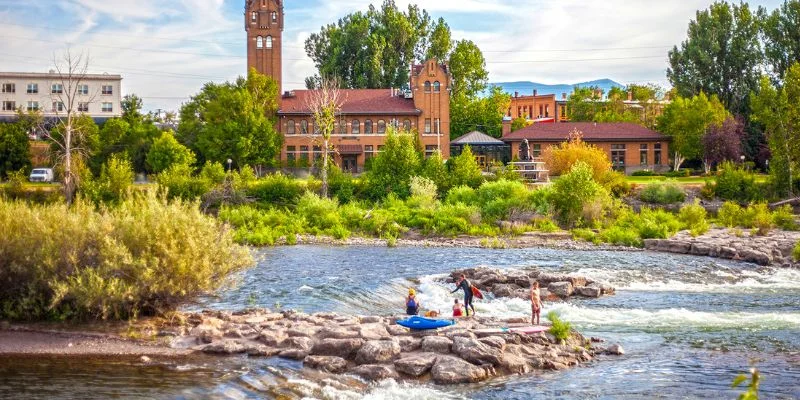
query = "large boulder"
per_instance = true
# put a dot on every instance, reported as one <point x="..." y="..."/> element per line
<point x="755" y="256"/>
<point x="504" y="290"/>
<point x="293" y="354"/>
<point x="416" y="364"/>
<point x="331" y="364"/>
<point x="409" y="344"/>
<point x="206" y="333"/>
<point x="560" y="289"/>
<point x="494" y="341"/>
<point x="336" y="333"/>
<point x="375" y="372"/>
<point x="476" y="352"/>
<point x="344" y="348"/>
<point x="588" y="291"/>
<point x="373" y="332"/>
<point x="449" y="370"/>
<point x="227" y="346"/>
<point x="273" y="338"/>
<point x="615" y="349"/>
<point x="302" y="331"/>
<point x="300" y="343"/>
<point x="436" y="344"/>
<point x="377" y="352"/>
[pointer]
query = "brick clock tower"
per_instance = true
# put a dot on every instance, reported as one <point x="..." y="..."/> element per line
<point x="263" y="21"/>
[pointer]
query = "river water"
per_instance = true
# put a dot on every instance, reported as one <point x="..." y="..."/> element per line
<point x="688" y="324"/>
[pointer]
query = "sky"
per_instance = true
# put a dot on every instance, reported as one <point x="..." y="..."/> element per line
<point x="166" y="50"/>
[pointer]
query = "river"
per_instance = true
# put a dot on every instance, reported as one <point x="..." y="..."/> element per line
<point x="688" y="324"/>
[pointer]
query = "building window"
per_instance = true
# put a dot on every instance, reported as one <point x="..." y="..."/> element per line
<point x="437" y="126"/>
<point x="541" y="111"/>
<point x="33" y="105"/>
<point x="643" y="154"/>
<point x="343" y="127"/>
<point x="430" y="149"/>
<point x="437" y="87"/>
<point x="259" y="42"/>
<point x="303" y="127"/>
<point x="427" y="125"/>
<point x="304" y="154"/>
<point x="9" y="106"/>
<point x="83" y="107"/>
<point x="290" y="127"/>
<point x="407" y="124"/>
<point x="57" y="88"/>
<point x="274" y="16"/>
<point x="657" y="153"/>
<point x="519" y="111"/>
<point x="58" y="106"/>
<point x="9" y="88"/>
<point x="83" y="89"/>
<point x="381" y="126"/>
<point x="33" y="88"/>
<point x="317" y="154"/>
<point x="427" y="86"/>
<point x="269" y="42"/>
<point x="107" y="107"/>
<point x="537" y="149"/>
<point x="253" y="16"/>
<point x="107" y="90"/>
<point x="547" y="111"/>
<point x="618" y="156"/>
<point x="290" y="156"/>
<point x="395" y="123"/>
<point x="355" y="127"/>
<point x="368" y="126"/>
<point x="368" y="152"/>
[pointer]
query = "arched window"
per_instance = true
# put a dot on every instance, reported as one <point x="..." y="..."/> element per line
<point x="355" y="127"/>
<point x="407" y="124"/>
<point x="381" y="126"/>
<point x="436" y="87"/>
<point x="274" y="16"/>
<point x="303" y="127"/>
<point x="290" y="127"/>
<point x="253" y="16"/>
<point x="269" y="42"/>
<point x="427" y="86"/>
<point x="368" y="126"/>
<point x="259" y="42"/>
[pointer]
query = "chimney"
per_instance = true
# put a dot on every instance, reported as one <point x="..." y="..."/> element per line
<point x="534" y="92"/>
<point x="563" y="96"/>
<point x="516" y="94"/>
<point x="506" y="126"/>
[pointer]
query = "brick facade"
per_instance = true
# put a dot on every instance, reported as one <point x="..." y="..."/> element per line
<point x="263" y="22"/>
<point x="532" y="107"/>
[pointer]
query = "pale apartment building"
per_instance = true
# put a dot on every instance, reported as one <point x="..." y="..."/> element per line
<point x="98" y="95"/>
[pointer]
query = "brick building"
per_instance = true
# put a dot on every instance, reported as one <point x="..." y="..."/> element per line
<point x="630" y="147"/>
<point x="365" y="114"/>
<point x="541" y="108"/>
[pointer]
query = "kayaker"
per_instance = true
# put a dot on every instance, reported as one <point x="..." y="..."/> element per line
<point x="465" y="285"/>
<point x="412" y="304"/>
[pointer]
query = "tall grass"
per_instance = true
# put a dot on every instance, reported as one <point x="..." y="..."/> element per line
<point x="144" y="256"/>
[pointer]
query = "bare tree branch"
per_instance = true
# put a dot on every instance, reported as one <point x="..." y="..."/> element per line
<point x="325" y="105"/>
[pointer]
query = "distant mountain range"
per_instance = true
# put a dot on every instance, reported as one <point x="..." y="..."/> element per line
<point x="526" y="88"/>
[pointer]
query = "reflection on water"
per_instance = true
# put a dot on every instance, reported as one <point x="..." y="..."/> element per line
<point x="688" y="324"/>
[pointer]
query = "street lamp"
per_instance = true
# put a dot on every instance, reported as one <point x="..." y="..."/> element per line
<point x="231" y="162"/>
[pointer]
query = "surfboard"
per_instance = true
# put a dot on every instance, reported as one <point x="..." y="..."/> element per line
<point x="477" y="293"/>
<point x="527" y="330"/>
<point x="421" y="323"/>
<point x="488" y="331"/>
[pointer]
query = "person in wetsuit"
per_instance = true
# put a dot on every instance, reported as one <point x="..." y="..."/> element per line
<point x="465" y="285"/>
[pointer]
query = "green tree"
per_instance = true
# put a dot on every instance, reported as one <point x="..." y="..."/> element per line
<point x="478" y="113"/>
<point x="131" y="136"/>
<point x="83" y="146"/>
<point x="14" y="149"/>
<point x="518" y="124"/>
<point x="435" y="169"/>
<point x="781" y="33"/>
<point x="166" y="151"/>
<point x="721" y="55"/>
<point x="584" y="103"/>
<point x="468" y="67"/>
<point x="686" y="121"/>
<point x="233" y="120"/>
<point x="464" y="169"/>
<point x="325" y="105"/>
<point x="574" y="191"/>
<point x="439" y="41"/>
<point x="394" y="166"/>
<point x="778" y="109"/>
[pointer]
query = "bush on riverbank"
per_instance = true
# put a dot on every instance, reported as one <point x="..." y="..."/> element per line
<point x="756" y="216"/>
<point x="142" y="257"/>
<point x="662" y="193"/>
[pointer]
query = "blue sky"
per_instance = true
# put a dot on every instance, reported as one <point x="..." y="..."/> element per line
<point x="166" y="50"/>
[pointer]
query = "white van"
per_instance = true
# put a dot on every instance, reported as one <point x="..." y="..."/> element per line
<point x="41" y="175"/>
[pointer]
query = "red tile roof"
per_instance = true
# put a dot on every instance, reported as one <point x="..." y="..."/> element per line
<point x="592" y="132"/>
<point x="355" y="101"/>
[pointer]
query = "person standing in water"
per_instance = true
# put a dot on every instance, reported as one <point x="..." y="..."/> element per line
<point x="457" y="309"/>
<point x="464" y="284"/>
<point x="536" y="303"/>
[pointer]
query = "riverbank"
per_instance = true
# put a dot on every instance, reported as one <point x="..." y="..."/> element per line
<point x="25" y="340"/>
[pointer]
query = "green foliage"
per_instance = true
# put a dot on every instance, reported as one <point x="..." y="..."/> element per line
<point x="435" y="169"/>
<point x="730" y="214"/>
<point x="143" y="257"/>
<point x="131" y="135"/>
<point x="757" y="216"/>
<point x="342" y="185"/>
<point x="233" y="120"/>
<point x="14" y="149"/>
<point x="761" y="218"/>
<point x="796" y="252"/>
<point x="179" y="182"/>
<point x="783" y="218"/>
<point x="278" y="190"/>
<point x="498" y="200"/>
<point x="166" y="152"/>
<point x="752" y="387"/>
<point x="586" y="234"/>
<point x="484" y="113"/>
<point x="662" y="193"/>
<point x="733" y="182"/>
<point x="693" y="218"/>
<point x="518" y="124"/>
<point x="643" y="172"/>
<point x="686" y="121"/>
<point x="464" y="169"/>
<point x="574" y="191"/>
<point x="616" y="183"/>
<point x="560" y="328"/>
<point x="561" y="158"/>
<point x="393" y="168"/>
<point x="113" y="185"/>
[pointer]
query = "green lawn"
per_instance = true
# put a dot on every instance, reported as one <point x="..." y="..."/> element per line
<point x="689" y="180"/>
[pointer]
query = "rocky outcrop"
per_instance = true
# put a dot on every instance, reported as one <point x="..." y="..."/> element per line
<point x="774" y="248"/>
<point x="375" y="348"/>
<point x="517" y="283"/>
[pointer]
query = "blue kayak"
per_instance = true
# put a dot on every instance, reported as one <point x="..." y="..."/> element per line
<point x="421" y="323"/>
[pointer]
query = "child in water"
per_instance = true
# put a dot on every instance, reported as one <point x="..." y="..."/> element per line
<point x="457" y="309"/>
<point x="536" y="303"/>
<point x="412" y="305"/>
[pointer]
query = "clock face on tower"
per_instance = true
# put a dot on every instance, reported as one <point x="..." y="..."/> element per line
<point x="264" y="26"/>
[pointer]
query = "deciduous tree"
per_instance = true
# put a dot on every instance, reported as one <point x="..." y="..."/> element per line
<point x="325" y="104"/>
<point x="722" y="142"/>
<point x="166" y="151"/>
<point x="686" y="120"/>
<point x="781" y="31"/>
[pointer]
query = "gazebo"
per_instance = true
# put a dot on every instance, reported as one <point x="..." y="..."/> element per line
<point x="487" y="149"/>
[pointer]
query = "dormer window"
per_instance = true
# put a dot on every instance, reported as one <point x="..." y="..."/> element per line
<point x="437" y="87"/>
<point x="269" y="42"/>
<point x="427" y="86"/>
<point x="259" y="42"/>
<point x="274" y="16"/>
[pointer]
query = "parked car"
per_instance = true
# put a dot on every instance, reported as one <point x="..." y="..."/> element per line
<point x="41" y="175"/>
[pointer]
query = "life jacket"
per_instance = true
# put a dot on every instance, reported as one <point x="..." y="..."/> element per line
<point x="411" y="303"/>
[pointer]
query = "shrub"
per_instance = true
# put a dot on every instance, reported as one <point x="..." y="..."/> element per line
<point x="734" y="183"/>
<point x="616" y="183"/>
<point x="783" y="218"/>
<point x="643" y="172"/>
<point x="277" y="189"/>
<point x="560" y="328"/>
<point x="693" y="216"/>
<point x="649" y="223"/>
<point x="498" y="199"/>
<point x="166" y="152"/>
<point x="562" y="158"/>
<point x="621" y="236"/>
<point x="214" y="173"/>
<point x="464" y="169"/>
<point x="586" y="235"/>
<point x="759" y="217"/>
<point x="573" y="191"/>
<point x="423" y="188"/>
<point x="796" y="252"/>
<point x="143" y="257"/>
<point x="662" y="193"/>
<point x="116" y="178"/>
<point x="179" y="183"/>
<point x="462" y="194"/>
<point x="392" y="169"/>
<point x="681" y="173"/>
<point x="730" y="214"/>
<point x="322" y="215"/>
<point x="342" y="185"/>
